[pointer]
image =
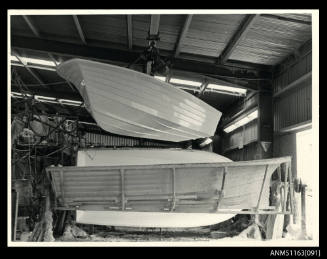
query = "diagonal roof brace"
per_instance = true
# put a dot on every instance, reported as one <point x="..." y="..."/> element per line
<point x="154" y="25"/>
<point x="183" y="34"/>
<point x="31" y="26"/>
<point x="79" y="29"/>
<point x="237" y="37"/>
<point x="37" y="78"/>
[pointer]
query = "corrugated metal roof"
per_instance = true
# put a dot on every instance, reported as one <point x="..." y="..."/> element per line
<point x="111" y="28"/>
<point x="269" y="41"/>
<point x="60" y="27"/>
<point x="209" y="34"/>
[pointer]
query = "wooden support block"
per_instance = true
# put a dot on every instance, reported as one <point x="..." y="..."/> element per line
<point x="62" y="222"/>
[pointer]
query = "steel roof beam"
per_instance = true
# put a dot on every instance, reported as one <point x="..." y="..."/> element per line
<point x="31" y="26"/>
<point x="183" y="34"/>
<point x="126" y="56"/>
<point x="154" y="25"/>
<point x="36" y="77"/>
<point x="79" y="29"/>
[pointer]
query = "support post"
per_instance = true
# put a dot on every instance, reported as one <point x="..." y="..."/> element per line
<point x="62" y="187"/>
<point x="285" y="187"/>
<point x="16" y="215"/>
<point x="291" y="189"/>
<point x="275" y="223"/>
<point x="303" y="210"/>
<point x="122" y="177"/>
<point x="62" y="222"/>
<point x="173" y="189"/>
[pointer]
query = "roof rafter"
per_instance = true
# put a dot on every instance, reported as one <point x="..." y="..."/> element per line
<point x="127" y="56"/>
<point x="79" y="29"/>
<point x="237" y="37"/>
<point x="32" y="26"/>
<point x="154" y="25"/>
<point x="183" y="34"/>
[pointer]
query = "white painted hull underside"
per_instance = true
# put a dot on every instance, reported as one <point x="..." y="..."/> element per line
<point x="150" y="219"/>
<point x="127" y="102"/>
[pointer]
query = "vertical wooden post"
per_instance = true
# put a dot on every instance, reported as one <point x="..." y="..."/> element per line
<point x="286" y="189"/>
<point x="303" y="210"/>
<point x="62" y="157"/>
<point x="291" y="189"/>
<point x="47" y="202"/>
<point x="62" y="187"/>
<point x="173" y="189"/>
<point x="285" y="186"/>
<point x="275" y="223"/>
<point x="62" y="222"/>
<point x="14" y="159"/>
<point x="16" y="215"/>
<point x="122" y="181"/>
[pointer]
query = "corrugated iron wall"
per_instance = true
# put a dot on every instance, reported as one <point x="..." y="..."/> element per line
<point x="240" y="144"/>
<point x="241" y="136"/>
<point x="248" y="152"/>
<point x="293" y="106"/>
<point x="294" y="72"/>
<point x="101" y="140"/>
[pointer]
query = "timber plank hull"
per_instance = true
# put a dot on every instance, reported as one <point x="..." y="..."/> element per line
<point x="127" y="102"/>
<point x="158" y="195"/>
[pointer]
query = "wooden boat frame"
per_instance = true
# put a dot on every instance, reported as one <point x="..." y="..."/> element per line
<point x="286" y="191"/>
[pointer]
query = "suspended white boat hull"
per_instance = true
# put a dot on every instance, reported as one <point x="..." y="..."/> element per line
<point x="127" y="102"/>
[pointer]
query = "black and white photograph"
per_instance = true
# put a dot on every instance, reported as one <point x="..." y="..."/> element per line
<point x="163" y="127"/>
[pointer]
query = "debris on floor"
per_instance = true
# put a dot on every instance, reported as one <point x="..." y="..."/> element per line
<point x="294" y="232"/>
<point x="24" y="236"/>
<point x="241" y="226"/>
<point x="43" y="229"/>
<point x="72" y="233"/>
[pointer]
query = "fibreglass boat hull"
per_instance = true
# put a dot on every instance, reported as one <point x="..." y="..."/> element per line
<point x="127" y="102"/>
<point x="149" y="219"/>
<point x="215" y="189"/>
